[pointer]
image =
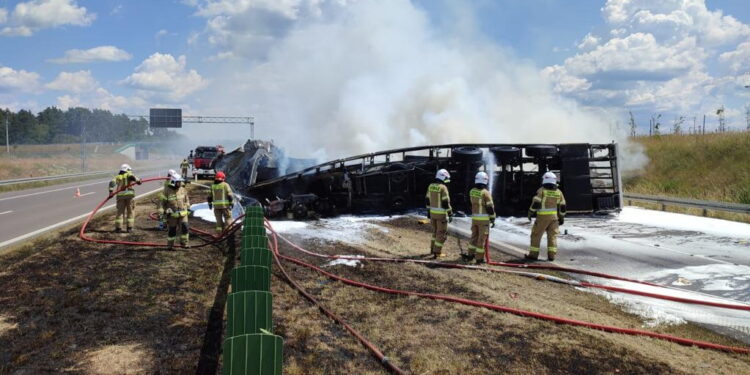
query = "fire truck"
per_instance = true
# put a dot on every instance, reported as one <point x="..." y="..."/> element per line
<point x="204" y="161"/>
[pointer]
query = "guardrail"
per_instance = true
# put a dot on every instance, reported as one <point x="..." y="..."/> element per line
<point x="694" y="203"/>
<point x="51" y="178"/>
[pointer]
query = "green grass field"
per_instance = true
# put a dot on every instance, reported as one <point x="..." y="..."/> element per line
<point x="711" y="167"/>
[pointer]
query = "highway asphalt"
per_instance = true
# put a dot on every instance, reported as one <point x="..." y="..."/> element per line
<point x="26" y="213"/>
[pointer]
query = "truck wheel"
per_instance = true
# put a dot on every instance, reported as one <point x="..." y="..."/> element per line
<point x="467" y="154"/>
<point x="507" y="155"/>
<point x="541" y="151"/>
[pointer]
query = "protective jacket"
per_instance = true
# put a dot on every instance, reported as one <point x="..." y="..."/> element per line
<point x="438" y="200"/>
<point x="176" y="200"/>
<point x="548" y="202"/>
<point x="121" y="181"/>
<point x="221" y="195"/>
<point x="482" y="208"/>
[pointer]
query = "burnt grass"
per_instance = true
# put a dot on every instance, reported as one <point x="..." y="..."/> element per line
<point x="423" y="336"/>
<point x="69" y="306"/>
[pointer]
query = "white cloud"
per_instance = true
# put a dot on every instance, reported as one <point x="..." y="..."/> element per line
<point x="164" y="76"/>
<point x="18" y="80"/>
<point x="738" y="60"/>
<point x="32" y="16"/>
<point x="3" y="15"/>
<point x="75" y="82"/>
<point x="116" y="10"/>
<point x="656" y="56"/>
<point x="249" y="27"/>
<point x="161" y="33"/>
<point x="100" y="98"/>
<point x="101" y="53"/>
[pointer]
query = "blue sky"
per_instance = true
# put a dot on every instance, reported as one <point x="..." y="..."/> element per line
<point x="231" y="57"/>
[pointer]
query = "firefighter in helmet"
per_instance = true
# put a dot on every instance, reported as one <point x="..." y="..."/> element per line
<point x="175" y="205"/>
<point x="549" y="207"/>
<point x="184" y="168"/>
<point x="482" y="217"/>
<point x="120" y="185"/>
<point x="439" y="211"/>
<point x="162" y="218"/>
<point x="221" y="200"/>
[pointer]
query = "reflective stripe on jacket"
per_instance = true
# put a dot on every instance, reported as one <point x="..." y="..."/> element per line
<point x="548" y="201"/>
<point x="438" y="194"/>
<point x="480" y="201"/>
<point x="221" y="194"/>
<point x="177" y="200"/>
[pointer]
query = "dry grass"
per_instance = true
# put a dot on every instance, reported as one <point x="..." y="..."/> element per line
<point x="73" y="306"/>
<point x="56" y="159"/>
<point x="435" y="337"/>
<point x="709" y="167"/>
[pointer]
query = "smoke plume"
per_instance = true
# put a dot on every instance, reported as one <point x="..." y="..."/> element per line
<point x="371" y="75"/>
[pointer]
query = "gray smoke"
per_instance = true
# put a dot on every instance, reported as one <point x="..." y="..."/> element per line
<point x="372" y="75"/>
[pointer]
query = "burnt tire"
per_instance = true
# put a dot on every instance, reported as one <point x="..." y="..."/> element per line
<point x="506" y="155"/>
<point x="541" y="151"/>
<point x="467" y="154"/>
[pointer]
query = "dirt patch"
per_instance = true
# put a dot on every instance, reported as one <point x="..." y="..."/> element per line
<point x="435" y="337"/>
<point x="119" y="359"/>
<point x="81" y="307"/>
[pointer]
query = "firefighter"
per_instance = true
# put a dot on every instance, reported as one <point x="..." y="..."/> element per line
<point x="221" y="200"/>
<point x="482" y="217"/>
<point x="125" y="197"/>
<point x="176" y="204"/>
<point x="439" y="211"/>
<point x="549" y="207"/>
<point x="184" y="168"/>
<point x="162" y="218"/>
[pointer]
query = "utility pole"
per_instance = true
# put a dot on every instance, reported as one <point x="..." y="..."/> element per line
<point x="83" y="145"/>
<point x="722" y="120"/>
<point x="747" y="117"/>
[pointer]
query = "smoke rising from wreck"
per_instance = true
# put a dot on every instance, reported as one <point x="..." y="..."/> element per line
<point x="374" y="75"/>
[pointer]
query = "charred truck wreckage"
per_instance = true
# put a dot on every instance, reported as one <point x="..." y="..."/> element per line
<point x="395" y="181"/>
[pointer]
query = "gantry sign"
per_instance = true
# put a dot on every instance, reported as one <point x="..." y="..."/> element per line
<point x="173" y="118"/>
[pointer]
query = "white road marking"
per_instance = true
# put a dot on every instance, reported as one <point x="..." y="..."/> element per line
<point x="6" y="212"/>
<point x="64" y="222"/>
<point x="66" y="188"/>
<point x="89" y="193"/>
<point x="51" y="191"/>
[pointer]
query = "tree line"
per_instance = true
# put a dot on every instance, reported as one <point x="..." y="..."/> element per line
<point x="54" y="125"/>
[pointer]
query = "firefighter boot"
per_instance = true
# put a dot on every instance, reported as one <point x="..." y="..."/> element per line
<point x="480" y="259"/>
<point x="532" y="255"/>
<point x="551" y="255"/>
<point x="467" y="257"/>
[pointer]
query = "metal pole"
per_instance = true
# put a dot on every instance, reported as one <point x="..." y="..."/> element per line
<point x="252" y="129"/>
<point x="83" y="146"/>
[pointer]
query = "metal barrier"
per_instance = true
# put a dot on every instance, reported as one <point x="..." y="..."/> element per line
<point x="683" y="202"/>
<point x="51" y="178"/>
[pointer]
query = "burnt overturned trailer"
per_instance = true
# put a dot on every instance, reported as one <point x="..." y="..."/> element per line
<point x="395" y="181"/>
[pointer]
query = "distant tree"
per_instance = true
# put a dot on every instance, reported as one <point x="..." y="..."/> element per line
<point x="677" y="125"/>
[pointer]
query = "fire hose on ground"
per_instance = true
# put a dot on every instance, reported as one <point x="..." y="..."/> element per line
<point x="635" y="332"/>
<point x="234" y="226"/>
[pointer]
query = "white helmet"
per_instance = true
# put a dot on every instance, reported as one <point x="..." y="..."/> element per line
<point x="481" y="178"/>
<point x="549" y="178"/>
<point x="443" y="175"/>
<point x="125" y="168"/>
<point x="174" y="179"/>
<point x="171" y="172"/>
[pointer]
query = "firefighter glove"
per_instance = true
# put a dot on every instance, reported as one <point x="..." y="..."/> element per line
<point x="428" y="213"/>
<point x="529" y="215"/>
<point x="139" y="182"/>
<point x="450" y="218"/>
<point x="210" y="206"/>
<point x="492" y="223"/>
<point x="561" y="220"/>
<point x="168" y="211"/>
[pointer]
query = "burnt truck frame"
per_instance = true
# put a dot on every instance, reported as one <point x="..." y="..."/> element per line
<point x="395" y="181"/>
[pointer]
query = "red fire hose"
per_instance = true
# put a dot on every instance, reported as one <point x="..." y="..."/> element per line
<point x="675" y="339"/>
